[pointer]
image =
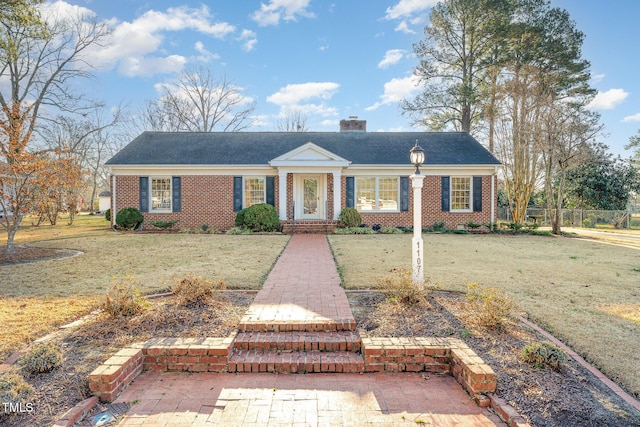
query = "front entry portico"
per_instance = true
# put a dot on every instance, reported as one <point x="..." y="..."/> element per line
<point x="312" y="199"/>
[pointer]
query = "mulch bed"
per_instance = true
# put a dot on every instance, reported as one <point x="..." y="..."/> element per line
<point x="25" y="254"/>
<point x="568" y="397"/>
<point x="571" y="396"/>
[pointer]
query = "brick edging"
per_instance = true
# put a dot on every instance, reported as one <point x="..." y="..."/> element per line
<point x="75" y="414"/>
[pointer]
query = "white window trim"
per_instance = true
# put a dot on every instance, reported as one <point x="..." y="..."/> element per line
<point x="377" y="193"/>
<point x="244" y="187"/>
<point x="470" y="179"/>
<point x="151" y="209"/>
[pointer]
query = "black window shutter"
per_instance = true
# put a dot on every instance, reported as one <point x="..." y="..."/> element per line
<point x="144" y="194"/>
<point x="445" y="194"/>
<point x="270" y="186"/>
<point x="477" y="194"/>
<point x="237" y="193"/>
<point x="404" y="193"/>
<point x="351" y="194"/>
<point x="176" y="194"/>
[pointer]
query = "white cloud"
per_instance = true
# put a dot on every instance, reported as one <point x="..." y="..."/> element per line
<point x="249" y="38"/>
<point x="409" y="8"/>
<point x="395" y="91"/>
<point x="409" y="11"/>
<point x="608" y="100"/>
<point x="289" y="10"/>
<point x="597" y="78"/>
<point x="205" y="55"/>
<point x="391" y="57"/>
<point x="302" y="97"/>
<point x="631" y="119"/>
<point x="134" y="47"/>
<point x="403" y="27"/>
<point x="293" y="94"/>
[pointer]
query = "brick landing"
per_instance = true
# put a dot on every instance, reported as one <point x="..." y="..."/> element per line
<point x="379" y="399"/>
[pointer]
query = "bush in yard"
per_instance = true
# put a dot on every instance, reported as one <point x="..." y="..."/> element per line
<point x="163" y="225"/>
<point x="129" y="218"/>
<point x="124" y="298"/>
<point x="14" y="390"/>
<point x="390" y="230"/>
<point x="194" y="290"/>
<point x="107" y="214"/>
<point x="259" y="217"/>
<point x="488" y="307"/>
<point x="543" y="353"/>
<point x="41" y="358"/>
<point x="349" y="217"/>
<point x="400" y="288"/>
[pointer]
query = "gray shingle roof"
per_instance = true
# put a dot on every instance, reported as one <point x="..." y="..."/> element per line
<point x="258" y="148"/>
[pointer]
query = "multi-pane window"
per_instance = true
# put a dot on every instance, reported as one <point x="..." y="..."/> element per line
<point x="460" y="193"/>
<point x="377" y="193"/>
<point x="161" y="194"/>
<point x="254" y="191"/>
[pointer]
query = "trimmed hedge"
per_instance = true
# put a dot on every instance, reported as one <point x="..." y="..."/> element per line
<point x="259" y="217"/>
<point x="129" y="218"/>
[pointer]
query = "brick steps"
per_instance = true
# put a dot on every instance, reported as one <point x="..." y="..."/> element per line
<point x="309" y="227"/>
<point x="299" y="326"/>
<point x="299" y="341"/>
<point x="300" y="362"/>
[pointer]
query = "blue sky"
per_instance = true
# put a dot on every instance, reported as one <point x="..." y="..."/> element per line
<point x="332" y="59"/>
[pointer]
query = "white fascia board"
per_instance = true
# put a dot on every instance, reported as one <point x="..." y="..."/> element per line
<point x="309" y="155"/>
<point x="185" y="170"/>
<point x="326" y="164"/>
<point x="433" y="170"/>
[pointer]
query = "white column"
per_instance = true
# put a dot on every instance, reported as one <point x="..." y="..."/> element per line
<point x="417" y="245"/>
<point x="282" y="194"/>
<point x="337" y="194"/>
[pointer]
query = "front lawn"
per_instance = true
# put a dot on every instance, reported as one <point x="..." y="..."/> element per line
<point x="582" y="291"/>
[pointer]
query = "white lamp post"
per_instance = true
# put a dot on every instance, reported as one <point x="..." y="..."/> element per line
<point x="416" y="157"/>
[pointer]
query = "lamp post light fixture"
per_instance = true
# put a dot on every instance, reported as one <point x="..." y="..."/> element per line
<point x="416" y="156"/>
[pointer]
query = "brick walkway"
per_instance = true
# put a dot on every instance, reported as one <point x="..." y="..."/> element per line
<point x="302" y="293"/>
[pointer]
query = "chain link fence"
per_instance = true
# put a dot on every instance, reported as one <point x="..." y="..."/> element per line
<point x="580" y="218"/>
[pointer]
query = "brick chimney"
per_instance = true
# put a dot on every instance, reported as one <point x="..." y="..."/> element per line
<point x="353" y="125"/>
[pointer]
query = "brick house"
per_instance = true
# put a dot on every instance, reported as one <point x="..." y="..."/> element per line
<point x="205" y="178"/>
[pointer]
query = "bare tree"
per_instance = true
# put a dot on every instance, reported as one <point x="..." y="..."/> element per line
<point x="87" y="139"/>
<point x="40" y="60"/>
<point x="293" y="121"/>
<point x="568" y="129"/>
<point x="198" y="102"/>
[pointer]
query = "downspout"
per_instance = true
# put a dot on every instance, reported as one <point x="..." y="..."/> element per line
<point x="493" y="196"/>
<point x="113" y="202"/>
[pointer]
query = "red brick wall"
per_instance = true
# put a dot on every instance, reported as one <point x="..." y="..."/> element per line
<point x="431" y="207"/>
<point x="209" y="200"/>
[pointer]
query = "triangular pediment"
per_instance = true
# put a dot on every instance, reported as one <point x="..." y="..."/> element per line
<point x="309" y="154"/>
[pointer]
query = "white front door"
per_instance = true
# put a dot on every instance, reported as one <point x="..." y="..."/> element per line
<point x="310" y="197"/>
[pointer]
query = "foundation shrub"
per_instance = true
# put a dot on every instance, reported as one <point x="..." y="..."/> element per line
<point x="543" y="353"/>
<point x="401" y="289"/>
<point x="163" y="225"/>
<point x="124" y="297"/>
<point x="259" y="217"/>
<point x="107" y="214"/>
<point x="129" y="218"/>
<point x="354" y="230"/>
<point x="195" y="290"/>
<point x="41" y="358"/>
<point x="349" y="217"/>
<point x="390" y="230"/>
<point x="488" y="307"/>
